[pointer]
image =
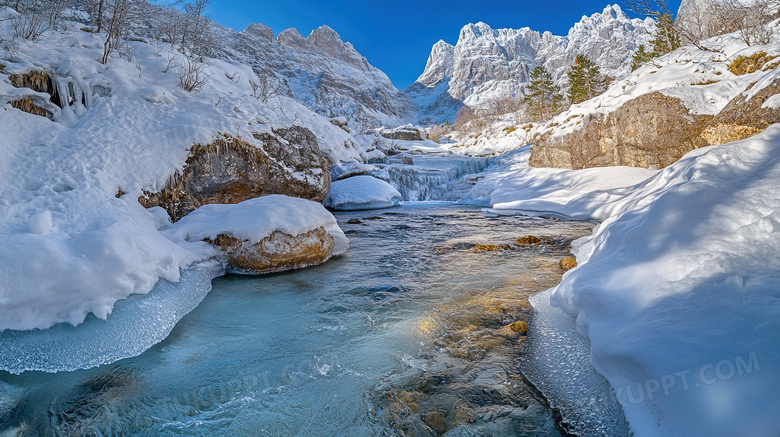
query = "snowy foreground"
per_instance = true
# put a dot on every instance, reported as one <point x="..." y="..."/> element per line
<point x="75" y="244"/>
<point x="677" y="287"/>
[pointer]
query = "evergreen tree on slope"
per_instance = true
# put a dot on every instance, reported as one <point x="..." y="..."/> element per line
<point x="542" y="95"/>
<point x="585" y="80"/>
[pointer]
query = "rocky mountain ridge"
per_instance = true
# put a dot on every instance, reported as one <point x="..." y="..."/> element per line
<point x="321" y="71"/>
<point x="488" y="64"/>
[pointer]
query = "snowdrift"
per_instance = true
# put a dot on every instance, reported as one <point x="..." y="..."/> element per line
<point x="676" y="289"/>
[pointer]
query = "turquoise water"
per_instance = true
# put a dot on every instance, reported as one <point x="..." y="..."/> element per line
<point x="316" y="351"/>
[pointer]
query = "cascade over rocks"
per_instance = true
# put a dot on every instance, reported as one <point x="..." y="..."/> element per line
<point x="230" y="170"/>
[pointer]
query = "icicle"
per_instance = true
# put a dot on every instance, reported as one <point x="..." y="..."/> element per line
<point x="61" y="84"/>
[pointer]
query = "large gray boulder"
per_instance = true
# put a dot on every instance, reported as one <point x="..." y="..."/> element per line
<point x="230" y="170"/>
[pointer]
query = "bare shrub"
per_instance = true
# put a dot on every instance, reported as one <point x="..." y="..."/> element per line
<point x="435" y="132"/>
<point x="35" y="17"/>
<point x="191" y="74"/>
<point x="750" y="20"/>
<point x="265" y="86"/>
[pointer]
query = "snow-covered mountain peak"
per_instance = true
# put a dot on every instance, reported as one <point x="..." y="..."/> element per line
<point x="440" y="64"/>
<point x="323" y="37"/>
<point x="322" y="71"/>
<point x="474" y="30"/>
<point x="492" y="64"/>
<point x="258" y="30"/>
<point x="291" y="37"/>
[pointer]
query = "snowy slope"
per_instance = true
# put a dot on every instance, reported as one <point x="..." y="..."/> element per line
<point x="676" y="289"/>
<point x="488" y="64"/>
<point x="133" y="134"/>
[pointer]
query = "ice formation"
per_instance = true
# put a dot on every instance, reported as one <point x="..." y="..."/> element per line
<point x="135" y="325"/>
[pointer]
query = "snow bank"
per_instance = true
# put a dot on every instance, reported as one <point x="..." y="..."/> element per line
<point x="361" y="192"/>
<point x="575" y="194"/>
<point x="677" y="289"/>
<point x="135" y="325"/>
<point x="74" y="240"/>
<point x="254" y="219"/>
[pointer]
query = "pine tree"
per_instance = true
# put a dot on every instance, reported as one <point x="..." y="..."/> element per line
<point x="641" y="57"/>
<point x="542" y="95"/>
<point x="585" y="80"/>
<point x="667" y="38"/>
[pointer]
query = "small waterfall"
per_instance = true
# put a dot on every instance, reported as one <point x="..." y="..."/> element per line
<point x="426" y="177"/>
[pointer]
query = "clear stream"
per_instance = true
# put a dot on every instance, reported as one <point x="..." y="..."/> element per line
<point x="406" y="334"/>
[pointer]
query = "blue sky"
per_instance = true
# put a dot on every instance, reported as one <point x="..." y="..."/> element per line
<point x="397" y="36"/>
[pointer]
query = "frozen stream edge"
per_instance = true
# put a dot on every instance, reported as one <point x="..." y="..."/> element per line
<point x="556" y="361"/>
<point x="136" y="324"/>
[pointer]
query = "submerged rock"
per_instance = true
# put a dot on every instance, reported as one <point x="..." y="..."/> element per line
<point x="277" y="252"/>
<point x="490" y="247"/>
<point x="519" y="327"/>
<point x="568" y="263"/>
<point x="230" y="170"/>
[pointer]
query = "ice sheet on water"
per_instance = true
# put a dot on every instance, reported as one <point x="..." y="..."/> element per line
<point x="135" y="325"/>
<point x="557" y="361"/>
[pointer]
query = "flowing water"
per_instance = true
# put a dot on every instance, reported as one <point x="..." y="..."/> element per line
<point x="408" y="333"/>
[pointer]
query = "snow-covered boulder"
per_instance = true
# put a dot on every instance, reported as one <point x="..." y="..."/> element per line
<point x="231" y="170"/>
<point x="267" y="234"/>
<point x="403" y="133"/>
<point x="361" y="192"/>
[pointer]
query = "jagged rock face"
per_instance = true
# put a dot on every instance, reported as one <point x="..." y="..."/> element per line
<point x="743" y="117"/>
<point x="277" y="252"/>
<point x="487" y="64"/>
<point x="230" y="170"/>
<point x="655" y="130"/>
<point x="650" y="131"/>
<point x="325" y="73"/>
<point x="697" y="17"/>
